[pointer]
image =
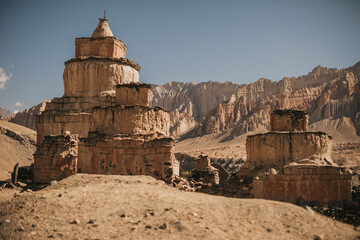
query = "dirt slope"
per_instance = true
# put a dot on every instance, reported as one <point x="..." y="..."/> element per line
<point x="341" y="129"/>
<point x="17" y="144"/>
<point x="140" y="207"/>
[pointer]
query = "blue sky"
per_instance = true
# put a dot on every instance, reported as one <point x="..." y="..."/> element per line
<point x="198" y="40"/>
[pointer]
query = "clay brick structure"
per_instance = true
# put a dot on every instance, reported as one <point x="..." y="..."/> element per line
<point x="204" y="172"/>
<point x="288" y="120"/>
<point x="56" y="157"/>
<point x="202" y="162"/>
<point x="107" y="110"/>
<point x="295" y="164"/>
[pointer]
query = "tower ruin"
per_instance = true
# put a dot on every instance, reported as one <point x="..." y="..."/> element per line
<point x="289" y="162"/>
<point x="103" y="124"/>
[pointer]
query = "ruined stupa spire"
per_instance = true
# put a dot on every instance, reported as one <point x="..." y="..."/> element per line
<point x="103" y="29"/>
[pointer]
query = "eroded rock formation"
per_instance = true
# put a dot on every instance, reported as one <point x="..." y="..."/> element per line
<point x="323" y="93"/>
<point x="104" y="123"/>
<point x="212" y="107"/>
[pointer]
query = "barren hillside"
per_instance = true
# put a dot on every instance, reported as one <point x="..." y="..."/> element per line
<point x="140" y="207"/>
<point x="17" y="144"/>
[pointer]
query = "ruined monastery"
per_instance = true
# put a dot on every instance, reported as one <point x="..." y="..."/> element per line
<point x="103" y="124"/>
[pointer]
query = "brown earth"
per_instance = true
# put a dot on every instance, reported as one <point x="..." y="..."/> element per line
<point x="140" y="207"/>
<point x="17" y="144"/>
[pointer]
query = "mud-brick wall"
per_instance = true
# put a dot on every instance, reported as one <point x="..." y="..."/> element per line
<point x="322" y="184"/>
<point x="104" y="47"/>
<point x="92" y="76"/>
<point x="289" y="120"/>
<point x="281" y="148"/>
<point x="135" y="119"/>
<point x="133" y="94"/>
<point x="56" y="158"/>
<point x="127" y="157"/>
<point x="56" y="124"/>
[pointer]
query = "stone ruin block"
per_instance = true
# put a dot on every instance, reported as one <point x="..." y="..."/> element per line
<point x="127" y="156"/>
<point x="202" y="162"/>
<point x="309" y="182"/>
<point x="289" y="120"/>
<point x="133" y="94"/>
<point x="56" y="158"/>
<point x="277" y="149"/>
<point x="204" y="172"/>
<point x="105" y="47"/>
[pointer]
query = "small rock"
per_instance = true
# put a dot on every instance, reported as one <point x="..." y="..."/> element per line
<point x="122" y="215"/>
<point x="7" y="220"/>
<point x="269" y="230"/>
<point x="319" y="237"/>
<point x="53" y="182"/>
<point x="33" y="226"/>
<point x="273" y="171"/>
<point x="164" y="226"/>
<point x="21" y="184"/>
<point x="252" y="221"/>
<point x="32" y="233"/>
<point x="59" y="195"/>
<point x="309" y="209"/>
<point x="21" y="229"/>
<point x="180" y="226"/>
<point x="76" y="221"/>
<point x="193" y="214"/>
<point x="91" y="221"/>
<point x="28" y="190"/>
<point x="148" y="226"/>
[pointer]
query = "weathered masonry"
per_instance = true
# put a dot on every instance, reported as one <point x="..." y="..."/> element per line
<point x="103" y="124"/>
<point x="289" y="162"/>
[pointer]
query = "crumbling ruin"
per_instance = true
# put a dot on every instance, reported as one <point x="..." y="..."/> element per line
<point x="103" y="124"/>
<point x="290" y="163"/>
<point x="204" y="172"/>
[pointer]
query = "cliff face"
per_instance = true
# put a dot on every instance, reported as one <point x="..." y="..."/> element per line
<point x="212" y="107"/>
<point x="5" y="113"/>
<point x="188" y="103"/>
<point x="27" y="117"/>
<point x="324" y="93"/>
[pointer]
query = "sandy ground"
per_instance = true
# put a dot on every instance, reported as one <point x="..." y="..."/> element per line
<point x="140" y="207"/>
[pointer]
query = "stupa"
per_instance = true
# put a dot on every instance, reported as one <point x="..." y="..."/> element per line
<point x="103" y="124"/>
<point x="290" y="163"/>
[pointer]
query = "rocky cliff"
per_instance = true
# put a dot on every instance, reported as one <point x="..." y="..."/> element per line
<point x="212" y="107"/>
<point x="326" y="93"/>
<point x="27" y="117"/>
<point x="5" y="113"/>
